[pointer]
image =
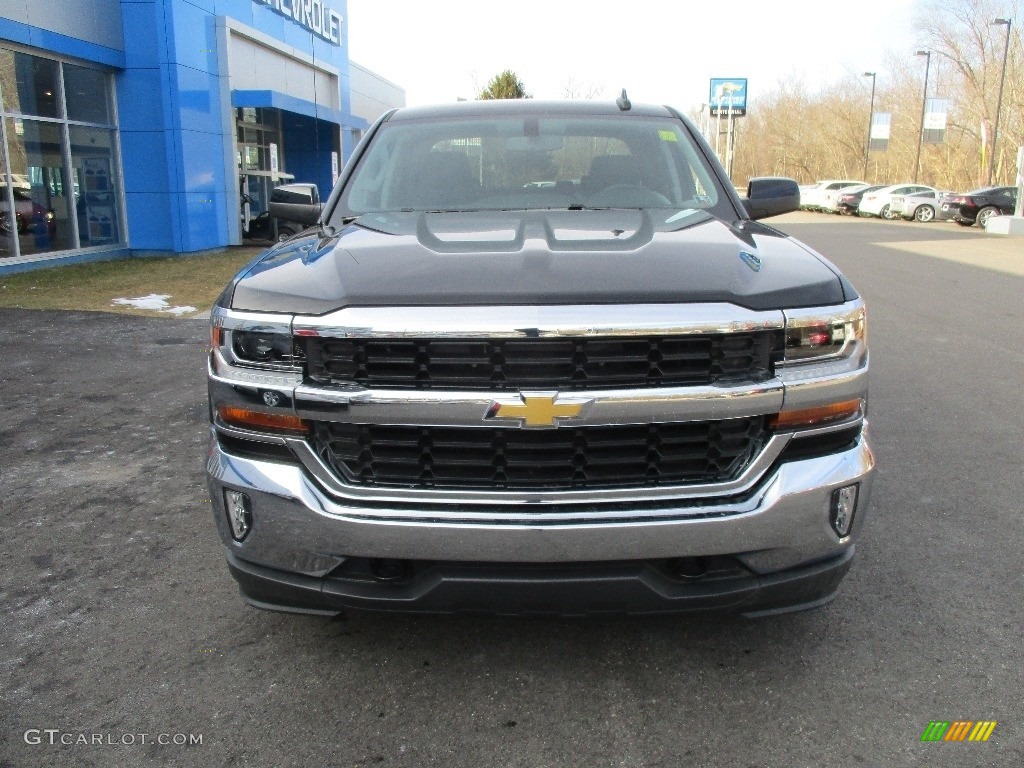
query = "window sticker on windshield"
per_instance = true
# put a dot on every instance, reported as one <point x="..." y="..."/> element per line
<point x="668" y="136"/>
<point x="681" y="215"/>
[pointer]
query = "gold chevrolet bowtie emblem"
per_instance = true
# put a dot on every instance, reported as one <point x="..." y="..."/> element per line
<point x="542" y="409"/>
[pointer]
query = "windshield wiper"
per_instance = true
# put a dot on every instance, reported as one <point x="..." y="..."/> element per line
<point x="329" y="230"/>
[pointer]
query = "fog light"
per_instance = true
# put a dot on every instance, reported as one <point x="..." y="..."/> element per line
<point x="239" y="514"/>
<point x="844" y="505"/>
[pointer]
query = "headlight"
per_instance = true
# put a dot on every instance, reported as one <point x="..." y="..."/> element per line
<point x="256" y="341"/>
<point x="271" y="349"/>
<point x="813" y="337"/>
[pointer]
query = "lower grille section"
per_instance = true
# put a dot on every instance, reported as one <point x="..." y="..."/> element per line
<point x="641" y="455"/>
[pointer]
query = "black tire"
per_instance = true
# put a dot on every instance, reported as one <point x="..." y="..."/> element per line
<point x="985" y="214"/>
<point x="283" y="233"/>
<point x="924" y="213"/>
<point x="885" y="213"/>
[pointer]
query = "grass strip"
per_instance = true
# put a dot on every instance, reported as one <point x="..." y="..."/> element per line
<point x="188" y="280"/>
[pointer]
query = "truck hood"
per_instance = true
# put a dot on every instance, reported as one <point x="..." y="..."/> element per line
<point x="538" y="258"/>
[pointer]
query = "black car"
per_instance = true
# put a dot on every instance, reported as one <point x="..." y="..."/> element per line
<point x="849" y="202"/>
<point x="979" y="206"/>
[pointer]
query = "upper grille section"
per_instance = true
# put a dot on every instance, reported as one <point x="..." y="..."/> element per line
<point x="544" y="363"/>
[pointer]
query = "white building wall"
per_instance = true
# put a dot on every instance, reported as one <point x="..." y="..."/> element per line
<point x="257" y="67"/>
<point x="371" y="94"/>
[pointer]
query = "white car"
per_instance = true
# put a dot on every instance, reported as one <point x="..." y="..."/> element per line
<point x="830" y="199"/>
<point x="815" y="196"/>
<point x="879" y="202"/>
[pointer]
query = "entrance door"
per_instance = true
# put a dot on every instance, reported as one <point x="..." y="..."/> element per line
<point x="260" y="154"/>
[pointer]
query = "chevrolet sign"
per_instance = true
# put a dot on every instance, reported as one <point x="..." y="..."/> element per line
<point x="314" y="15"/>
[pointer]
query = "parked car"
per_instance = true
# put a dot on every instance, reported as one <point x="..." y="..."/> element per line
<point x="824" y="193"/>
<point x="878" y="203"/>
<point x="921" y="206"/>
<point x="848" y="200"/>
<point x="806" y="192"/>
<point x="27" y="211"/>
<point x="830" y="199"/>
<point x="982" y="204"/>
<point x="458" y="393"/>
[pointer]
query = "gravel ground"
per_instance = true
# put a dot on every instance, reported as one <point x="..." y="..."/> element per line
<point x="122" y="623"/>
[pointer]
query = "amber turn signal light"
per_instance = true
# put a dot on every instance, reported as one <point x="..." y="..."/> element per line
<point x="812" y="417"/>
<point x="246" y="419"/>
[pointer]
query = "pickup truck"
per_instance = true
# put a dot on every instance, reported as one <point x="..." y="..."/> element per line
<point x="619" y="392"/>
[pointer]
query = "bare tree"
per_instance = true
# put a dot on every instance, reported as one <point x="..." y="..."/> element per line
<point x="794" y="132"/>
<point x="581" y="90"/>
<point x="962" y="32"/>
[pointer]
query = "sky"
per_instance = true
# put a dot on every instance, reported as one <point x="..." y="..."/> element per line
<point x="661" y="51"/>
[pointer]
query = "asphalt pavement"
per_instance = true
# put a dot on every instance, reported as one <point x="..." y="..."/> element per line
<point x="122" y="628"/>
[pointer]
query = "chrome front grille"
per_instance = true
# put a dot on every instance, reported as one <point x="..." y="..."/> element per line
<point x="567" y="458"/>
<point x="562" y="363"/>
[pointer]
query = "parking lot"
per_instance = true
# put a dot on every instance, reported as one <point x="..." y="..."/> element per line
<point x="121" y="621"/>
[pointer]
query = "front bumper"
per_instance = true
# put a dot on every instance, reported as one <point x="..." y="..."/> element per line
<point x="638" y="588"/>
<point x="778" y="534"/>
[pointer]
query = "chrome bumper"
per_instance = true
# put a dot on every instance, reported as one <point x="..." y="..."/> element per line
<point x="298" y="528"/>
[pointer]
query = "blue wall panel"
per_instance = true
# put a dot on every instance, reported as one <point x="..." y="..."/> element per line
<point x="145" y="46"/>
<point x="308" y="144"/>
<point x="140" y="99"/>
<point x="197" y="95"/>
<point x="202" y="166"/>
<point x="144" y="156"/>
<point x="193" y="35"/>
<point x="244" y="11"/>
<point x="148" y="217"/>
<point x="209" y="6"/>
<point x="202" y="224"/>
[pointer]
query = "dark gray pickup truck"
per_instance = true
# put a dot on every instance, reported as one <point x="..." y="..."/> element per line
<point x="540" y="358"/>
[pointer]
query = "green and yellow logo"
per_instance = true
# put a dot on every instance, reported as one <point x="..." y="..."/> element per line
<point x="958" y="730"/>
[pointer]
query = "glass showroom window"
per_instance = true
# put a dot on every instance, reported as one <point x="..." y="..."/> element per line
<point x="60" y="181"/>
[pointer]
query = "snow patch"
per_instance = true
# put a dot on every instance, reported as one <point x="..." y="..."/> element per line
<point x="154" y="301"/>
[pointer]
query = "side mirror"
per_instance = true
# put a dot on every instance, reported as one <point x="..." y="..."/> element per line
<point x="296" y="202"/>
<point x="771" y="196"/>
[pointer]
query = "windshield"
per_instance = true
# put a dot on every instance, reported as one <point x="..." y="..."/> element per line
<point x="531" y="163"/>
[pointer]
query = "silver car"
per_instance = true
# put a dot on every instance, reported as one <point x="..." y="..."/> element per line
<point x="921" y="206"/>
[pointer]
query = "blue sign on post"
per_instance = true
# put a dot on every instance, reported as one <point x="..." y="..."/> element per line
<point x="728" y="96"/>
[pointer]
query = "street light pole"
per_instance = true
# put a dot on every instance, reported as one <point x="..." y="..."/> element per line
<point x="871" y="117"/>
<point x="999" y="102"/>
<point x="924" y="106"/>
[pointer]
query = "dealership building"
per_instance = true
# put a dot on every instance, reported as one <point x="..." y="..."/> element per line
<point x="136" y="126"/>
